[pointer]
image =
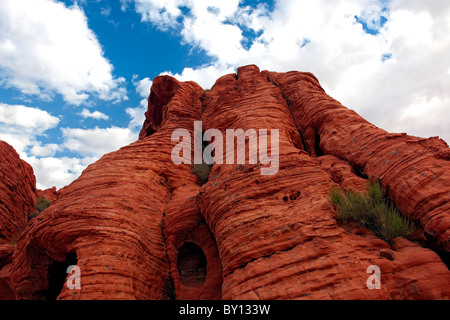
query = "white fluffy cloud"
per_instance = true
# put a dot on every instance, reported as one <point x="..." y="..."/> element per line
<point x="396" y="76"/>
<point x="21" y="125"/>
<point x="204" y="76"/>
<point x="89" y="144"/>
<point x="142" y="86"/>
<point x="96" y="142"/>
<point x="137" y="114"/>
<point x="85" y="113"/>
<point x="59" y="172"/>
<point x="47" y="48"/>
<point x="27" y="118"/>
<point x="48" y="150"/>
<point x="162" y="13"/>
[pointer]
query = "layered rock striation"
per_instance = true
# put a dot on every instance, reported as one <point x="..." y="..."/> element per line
<point x="17" y="193"/>
<point x="415" y="171"/>
<point x="139" y="226"/>
<point x="109" y="222"/>
<point x="278" y="236"/>
<point x="17" y="202"/>
<point x="50" y="194"/>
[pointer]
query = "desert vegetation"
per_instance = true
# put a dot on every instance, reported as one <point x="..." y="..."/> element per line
<point x="373" y="210"/>
<point x="42" y="204"/>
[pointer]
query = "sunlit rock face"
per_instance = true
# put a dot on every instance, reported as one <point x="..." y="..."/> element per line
<point x="139" y="226"/>
<point x="17" y="193"/>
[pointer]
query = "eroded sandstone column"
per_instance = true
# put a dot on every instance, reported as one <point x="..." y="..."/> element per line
<point x="17" y="193"/>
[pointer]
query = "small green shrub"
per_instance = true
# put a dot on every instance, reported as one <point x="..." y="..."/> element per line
<point x="42" y="204"/>
<point x="202" y="172"/>
<point x="373" y="211"/>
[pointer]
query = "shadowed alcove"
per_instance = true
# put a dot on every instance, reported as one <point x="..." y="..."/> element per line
<point x="191" y="264"/>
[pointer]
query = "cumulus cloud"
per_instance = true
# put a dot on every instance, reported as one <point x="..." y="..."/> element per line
<point x="142" y="86"/>
<point x="204" y="76"/>
<point x="48" y="150"/>
<point x="48" y="48"/>
<point x="96" y="142"/>
<point x="208" y="28"/>
<point x="21" y="125"/>
<point x="163" y="13"/>
<point x="384" y="59"/>
<point x="52" y="170"/>
<point x="59" y="172"/>
<point x="27" y="118"/>
<point x="137" y="116"/>
<point x="85" y="113"/>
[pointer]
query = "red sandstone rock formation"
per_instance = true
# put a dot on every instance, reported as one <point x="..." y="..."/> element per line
<point x="278" y="236"/>
<point x="415" y="171"/>
<point x="17" y="201"/>
<point x="17" y="193"/>
<point x="110" y="221"/>
<point x="160" y="94"/>
<point x="50" y="194"/>
<point x="140" y="227"/>
<point x="6" y="256"/>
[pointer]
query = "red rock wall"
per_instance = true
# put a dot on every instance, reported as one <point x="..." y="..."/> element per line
<point x="183" y="223"/>
<point x="111" y="218"/>
<point x="415" y="171"/>
<point x="50" y="194"/>
<point x="141" y="227"/>
<point x="278" y="236"/>
<point x="17" y="201"/>
<point x="161" y="93"/>
<point x="17" y="193"/>
<point x="6" y="257"/>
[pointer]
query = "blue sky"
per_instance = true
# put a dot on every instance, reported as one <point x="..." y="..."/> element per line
<point x="75" y="75"/>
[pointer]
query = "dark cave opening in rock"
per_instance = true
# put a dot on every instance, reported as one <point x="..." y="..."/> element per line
<point x="57" y="274"/>
<point x="445" y="257"/>
<point x="318" y="149"/>
<point x="359" y="171"/>
<point x="191" y="264"/>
